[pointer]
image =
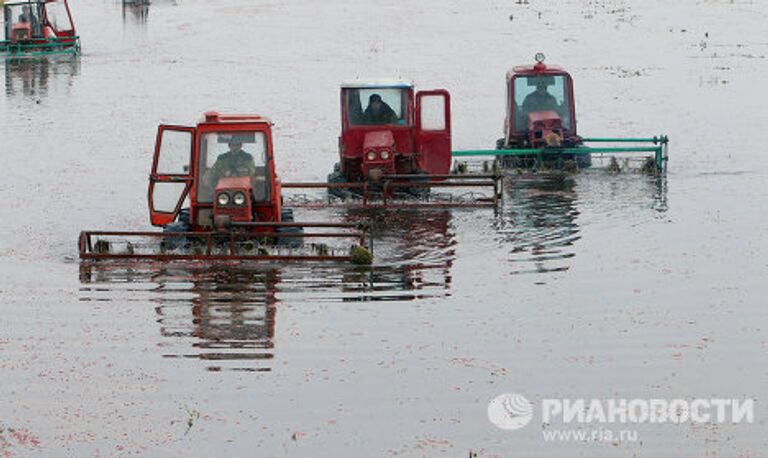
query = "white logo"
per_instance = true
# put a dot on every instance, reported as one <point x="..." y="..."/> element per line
<point x="510" y="411"/>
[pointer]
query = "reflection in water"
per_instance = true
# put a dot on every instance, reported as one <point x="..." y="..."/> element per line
<point x="225" y="313"/>
<point x="232" y="315"/>
<point x="414" y="236"/>
<point x="35" y="77"/>
<point x="138" y="10"/>
<point x="539" y="218"/>
<point x="397" y="283"/>
<point x="421" y="243"/>
<point x="660" y="194"/>
<point x="539" y="223"/>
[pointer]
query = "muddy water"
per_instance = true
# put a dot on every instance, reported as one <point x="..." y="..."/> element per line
<point x="594" y="286"/>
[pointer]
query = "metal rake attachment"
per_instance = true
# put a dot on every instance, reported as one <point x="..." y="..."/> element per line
<point x="404" y="191"/>
<point x="327" y="242"/>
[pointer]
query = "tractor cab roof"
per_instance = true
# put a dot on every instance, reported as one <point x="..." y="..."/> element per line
<point x="215" y="117"/>
<point x="540" y="68"/>
<point x="529" y="70"/>
<point x="377" y="83"/>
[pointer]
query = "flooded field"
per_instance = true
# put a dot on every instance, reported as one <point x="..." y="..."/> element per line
<point x="595" y="285"/>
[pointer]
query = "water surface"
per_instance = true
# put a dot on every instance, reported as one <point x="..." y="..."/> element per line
<point x="594" y="285"/>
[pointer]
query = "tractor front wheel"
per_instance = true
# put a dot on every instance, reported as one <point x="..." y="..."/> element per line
<point x="286" y="216"/>
<point x="421" y="192"/>
<point x="180" y="225"/>
<point x="337" y="177"/>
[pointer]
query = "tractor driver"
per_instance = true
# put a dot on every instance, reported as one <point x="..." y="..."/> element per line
<point x="540" y="100"/>
<point x="27" y="16"/>
<point x="378" y="112"/>
<point x="233" y="163"/>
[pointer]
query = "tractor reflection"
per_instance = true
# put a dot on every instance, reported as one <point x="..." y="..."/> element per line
<point x="227" y="311"/>
<point x="224" y="314"/>
<point x="232" y="316"/>
<point x="36" y="78"/>
<point x="136" y="9"/>
<point x="418" y="249"/>
<point x="540" y="223"/>
<point x="539" y="220"/>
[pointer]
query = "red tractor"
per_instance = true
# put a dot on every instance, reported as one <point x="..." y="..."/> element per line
<point x="224" y="169"/>
<point x="540" y="127"/>
<point x="387" y="128"/>
<point x="39" y="27"/>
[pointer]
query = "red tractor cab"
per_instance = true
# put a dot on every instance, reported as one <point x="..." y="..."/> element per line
<point x="387" y="128"/>
<point x="541" y="111"/>
<point x="39" y="26"/>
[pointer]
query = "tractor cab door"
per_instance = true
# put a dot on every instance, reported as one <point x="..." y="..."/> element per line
<point x="171" y="177"/>
<point x="433" y="131"/>
<point x="58" y="19"/>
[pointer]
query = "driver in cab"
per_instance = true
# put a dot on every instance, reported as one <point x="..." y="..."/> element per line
<point x="233" y="163"/>
<point x="378" y="112"/>
<point x="26" y="15"/>
<point x="540" y="100"/>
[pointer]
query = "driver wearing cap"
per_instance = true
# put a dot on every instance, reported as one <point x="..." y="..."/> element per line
<point x="233" y="163"/>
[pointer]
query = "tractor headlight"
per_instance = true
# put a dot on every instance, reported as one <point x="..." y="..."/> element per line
<point x="238" y="199"/>
<point x="223" y="199"/>
<point x="371" y="155"/>
<point x="384" y="155"/>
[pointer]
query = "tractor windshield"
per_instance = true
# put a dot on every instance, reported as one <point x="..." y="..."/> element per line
<point x="23" y="21"/>
<point x="233" y="154"/>
<point x="376" y="106"/>
<point x="541" y="93"/>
